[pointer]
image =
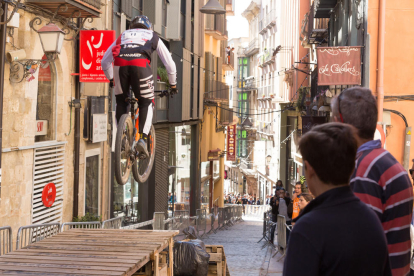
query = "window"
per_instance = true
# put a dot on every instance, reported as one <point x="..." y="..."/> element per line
<point x="92" y="181"/>
<point x="180" y="157"/>
<point x="186" y="140"/>
<point x="46" y="103"/>
<point x="138" y="5"/>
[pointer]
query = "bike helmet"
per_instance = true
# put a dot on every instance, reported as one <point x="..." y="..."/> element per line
<point x="141" y="22"/>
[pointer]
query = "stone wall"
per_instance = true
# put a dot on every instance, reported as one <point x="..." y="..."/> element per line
<point x="19" y="122"/>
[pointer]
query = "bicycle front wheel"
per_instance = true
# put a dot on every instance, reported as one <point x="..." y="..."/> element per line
<point x="123" y="143"/>
<point x="142" y="167"/>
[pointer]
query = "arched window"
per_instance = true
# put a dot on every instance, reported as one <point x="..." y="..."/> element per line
<point x="46" y="103"/>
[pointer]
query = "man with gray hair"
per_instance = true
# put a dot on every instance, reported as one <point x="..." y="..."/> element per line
<point x="378" y="179"/>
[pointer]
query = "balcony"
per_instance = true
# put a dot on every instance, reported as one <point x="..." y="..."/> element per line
<point x="216" y="91"/>
<point x="271" y="19"/>
<point x="216" y="26"/>
<point x="226" y="116"/>
<point x="265" y="93"/>
<point x="317" y="27"/>
<point x="265" y="128"/>
<point x="253" y="47"/>
<point x="267" y="58"/>
<point x="228" y="64"/>
<point x="263" y="26"/>
<point x="230" y="7"/>
<point x="87" y="8"/>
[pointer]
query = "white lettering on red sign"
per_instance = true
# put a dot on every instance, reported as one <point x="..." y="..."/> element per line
<point x="93" y="45"/>
<point x="39" y="126"/>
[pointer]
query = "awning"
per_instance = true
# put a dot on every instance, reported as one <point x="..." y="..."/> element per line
<point x="263" y="174"/>
<point x="248" y="172"/>
<point x="323" y="8"/>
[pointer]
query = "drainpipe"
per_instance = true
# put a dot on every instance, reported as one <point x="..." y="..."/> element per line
<point x="3" y="35"/>
<point x="380" y="57"/>
<point x="77" y="132"/>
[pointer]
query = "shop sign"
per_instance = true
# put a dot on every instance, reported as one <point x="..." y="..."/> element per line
<point x="41" y="127"/>
<point x="213" y="155"/>
<point x="49" y="194"/>
<point x="231" y="143"/>
<point x="339" y="65"/>
<point x="93" y="45"/>
<point x="99" y="128"/>
<point x="308" y="122"/>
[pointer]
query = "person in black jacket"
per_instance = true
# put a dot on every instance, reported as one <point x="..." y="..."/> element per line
<point x="336" y="234"/>
<point x="274" y="203"/>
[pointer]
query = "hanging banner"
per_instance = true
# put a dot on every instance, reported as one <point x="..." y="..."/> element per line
<point x="339" y="65"/>
<point x="93" y="45"/>
<point x="231" y="143"/>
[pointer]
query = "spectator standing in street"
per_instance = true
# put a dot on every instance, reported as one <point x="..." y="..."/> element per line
<point x="378" y="179"/>
<point x="274" y="203"/>
<point x="304" y="200"/>
<point x="336" y="234"/>
<point x="284" y="202"/>
<point x="279" y="185"/>
<point x="298" y="191"/>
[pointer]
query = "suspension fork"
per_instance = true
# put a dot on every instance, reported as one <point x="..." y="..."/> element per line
<point x="135" y="122"/>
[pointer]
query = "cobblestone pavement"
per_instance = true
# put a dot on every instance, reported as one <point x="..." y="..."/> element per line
<point x="245" y="257"/>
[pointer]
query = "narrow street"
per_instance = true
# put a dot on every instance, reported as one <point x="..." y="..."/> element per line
<point x="245" y="257"/>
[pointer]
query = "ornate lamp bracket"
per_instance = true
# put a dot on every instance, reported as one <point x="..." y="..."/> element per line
<point x="24" y="69"/>
<point x="68" y="24"/>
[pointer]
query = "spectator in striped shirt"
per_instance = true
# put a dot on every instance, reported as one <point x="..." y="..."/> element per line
<point x="378" y="179"/>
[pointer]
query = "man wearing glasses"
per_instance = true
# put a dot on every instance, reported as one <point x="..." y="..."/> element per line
<point x="378" y="179"/>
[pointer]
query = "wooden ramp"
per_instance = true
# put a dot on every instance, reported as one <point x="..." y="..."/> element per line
<point x="94" y="252"/>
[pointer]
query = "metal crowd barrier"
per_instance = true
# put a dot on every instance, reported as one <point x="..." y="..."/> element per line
<point x="139" y="225"/>
<point x="35" y="232"/>
<point x="281" y="236"/>
<point x="114" y="223"/>
<point x="268" y="230"/>
<point x="201" y="222"/>
<point x="83" y="225"/>
<point x="6" y="239"/>
<point x="256" y="210"/>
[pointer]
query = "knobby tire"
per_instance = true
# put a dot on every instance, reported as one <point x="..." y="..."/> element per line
<point x="125" y="123"/>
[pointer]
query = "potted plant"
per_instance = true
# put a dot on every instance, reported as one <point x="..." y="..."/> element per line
<point x="272" y="95"/>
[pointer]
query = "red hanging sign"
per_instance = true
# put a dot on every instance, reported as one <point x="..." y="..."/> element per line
<point x="231" y="143"/>
<point x="49" y="194"/>
<point x="339" y="65"/>
<point x="93" y="45"/>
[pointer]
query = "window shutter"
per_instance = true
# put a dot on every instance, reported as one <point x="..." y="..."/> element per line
<point x="49" y="167"/>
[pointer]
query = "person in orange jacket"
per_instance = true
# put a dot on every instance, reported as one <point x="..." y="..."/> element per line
<point x="298" y="191"/>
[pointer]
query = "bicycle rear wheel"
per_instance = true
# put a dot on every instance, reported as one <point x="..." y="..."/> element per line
<point x="141" y="168"/>
<point x="123" y="143"/>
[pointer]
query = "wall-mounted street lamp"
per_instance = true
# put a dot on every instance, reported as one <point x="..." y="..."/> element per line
<point x="212" y="7"/>
<point x="268" y="158"/>
<point x="51" y="37"/>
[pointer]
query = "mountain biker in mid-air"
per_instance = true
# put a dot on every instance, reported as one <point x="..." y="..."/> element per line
<point x="131" y="55"/>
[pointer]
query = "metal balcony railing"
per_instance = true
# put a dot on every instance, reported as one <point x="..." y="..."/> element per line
<point x="317" y="27"/>
<point x="226" y="116"/>
<point x="216" y="91"/>
<point x="216" y="25"/>
<point x="263" y="25"/>
<point x="267" y="58"/>
<point x="271" y="19"/>
<point x="253" y="47"/>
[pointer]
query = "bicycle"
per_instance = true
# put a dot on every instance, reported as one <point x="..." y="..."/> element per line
<point x="127" y="136"/>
